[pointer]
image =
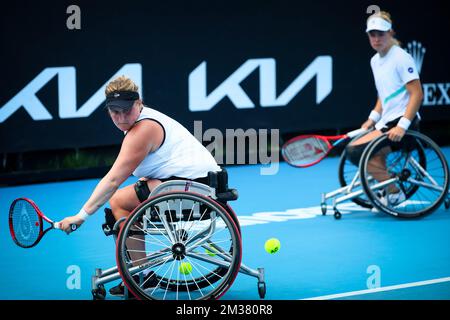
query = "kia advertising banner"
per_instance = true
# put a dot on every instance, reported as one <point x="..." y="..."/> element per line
<point x="288" y="65"/>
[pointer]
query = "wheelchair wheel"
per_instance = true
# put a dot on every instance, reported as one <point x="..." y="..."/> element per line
<point x="212" y="277"/>
<point x="415" y="166"/>
<point x="188" y="242"/>
<point x="347" y="172"/>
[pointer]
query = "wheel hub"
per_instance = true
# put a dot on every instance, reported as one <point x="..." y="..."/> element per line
<point x="178" y="251"/>
<point x="405" y="174"/>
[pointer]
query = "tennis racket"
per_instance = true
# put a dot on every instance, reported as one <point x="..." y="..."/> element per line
<point x="307" y="150"/>
<point x="26" y="223"/>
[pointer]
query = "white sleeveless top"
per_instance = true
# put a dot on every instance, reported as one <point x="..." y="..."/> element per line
<point x="180" y="154"/>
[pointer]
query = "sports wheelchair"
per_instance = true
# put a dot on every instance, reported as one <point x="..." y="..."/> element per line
<point x="415" y="165"/>
<point x="184" y="239"/>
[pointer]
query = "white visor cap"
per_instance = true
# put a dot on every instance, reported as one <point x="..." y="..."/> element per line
<point x="377" y="23"/>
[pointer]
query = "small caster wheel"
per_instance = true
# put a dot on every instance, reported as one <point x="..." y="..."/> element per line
<point x="323" y="206"/>
<point x="262" y="289"/>
<point x="99" y="293"/>
<point x="337" y="214"/>
<point x="447" y="203"/>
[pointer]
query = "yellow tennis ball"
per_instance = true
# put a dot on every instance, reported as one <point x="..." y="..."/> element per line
<point x="185" y="268"/>
<point x="272" y="245"/>
<point x="211" y="252"/>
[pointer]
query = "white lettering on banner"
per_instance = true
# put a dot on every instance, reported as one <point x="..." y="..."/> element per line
<point x="436" y="94"/>
<point x="199" y="100"/>
<point x="67" y="94"/>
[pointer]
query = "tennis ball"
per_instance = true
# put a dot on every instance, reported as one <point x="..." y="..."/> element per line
<point x="272" y="245"/>
<point x="185" y="268"/>
<point x="211" y="252"/>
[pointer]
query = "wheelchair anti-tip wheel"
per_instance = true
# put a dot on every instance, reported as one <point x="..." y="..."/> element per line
<point x="415" y="167"/>
<point x="99" y="293"/>
<point x="179" y="246"/>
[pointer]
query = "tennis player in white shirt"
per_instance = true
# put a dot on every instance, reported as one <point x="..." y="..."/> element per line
<point x="399" y="97"/>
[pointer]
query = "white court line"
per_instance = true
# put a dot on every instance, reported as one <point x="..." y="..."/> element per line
<point x="380" y="289"/>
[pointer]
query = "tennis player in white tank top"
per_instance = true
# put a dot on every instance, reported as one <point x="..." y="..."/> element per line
<point x="399" y="94"/>
<point x="155" y="148"/>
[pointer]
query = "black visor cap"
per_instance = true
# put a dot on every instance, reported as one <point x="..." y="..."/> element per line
<point x="121" y="100"/>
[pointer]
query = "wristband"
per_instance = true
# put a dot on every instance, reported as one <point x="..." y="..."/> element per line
<point x="404" y="123"/>
<point x="374" y="116"/>
<point x="83" y="215"/>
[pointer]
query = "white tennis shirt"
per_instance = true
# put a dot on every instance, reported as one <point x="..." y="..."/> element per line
<point x="392" y="72"/>
<point x="180" y="154"/>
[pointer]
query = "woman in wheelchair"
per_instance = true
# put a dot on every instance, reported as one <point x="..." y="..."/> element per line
<point x="156" y="148"/>
<point x="399" y="98"/>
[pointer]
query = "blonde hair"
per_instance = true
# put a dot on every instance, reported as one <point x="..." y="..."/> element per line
<point x="121" y="83"/>
<point x="387" y="17"/>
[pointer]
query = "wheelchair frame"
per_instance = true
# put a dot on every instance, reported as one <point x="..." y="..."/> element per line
<point x="219" y="193"/>
<point x="348" y="192"/>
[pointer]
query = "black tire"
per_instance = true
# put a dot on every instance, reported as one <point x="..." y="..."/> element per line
<point x="423" y="148"/>
<point x="337" y="215"/>
<point x="323" y="208"/>
<point x="262" y="289"/>
<point x="222" y="280"/>
<point x="99" y="293"/>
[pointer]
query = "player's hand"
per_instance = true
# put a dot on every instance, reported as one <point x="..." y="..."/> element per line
<point x="396" y="134"/>
<point x="368" y="124"/>
<point x="68" y="221"/>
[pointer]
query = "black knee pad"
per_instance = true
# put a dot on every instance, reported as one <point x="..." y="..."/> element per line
<point x="142" y="190"/>
<point x="354" y="152"/>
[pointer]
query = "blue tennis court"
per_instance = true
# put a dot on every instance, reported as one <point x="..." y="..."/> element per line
<point x="365" y="255"/>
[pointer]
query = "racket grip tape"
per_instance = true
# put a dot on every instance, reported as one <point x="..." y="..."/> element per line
<point x="356" y="132"/>
<point x="73" y="226"/>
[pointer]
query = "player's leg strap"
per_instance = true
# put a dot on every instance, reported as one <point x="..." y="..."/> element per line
<point x="142" y="190"/>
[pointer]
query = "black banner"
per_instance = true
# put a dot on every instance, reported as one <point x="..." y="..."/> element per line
<point x="288" y="65"/>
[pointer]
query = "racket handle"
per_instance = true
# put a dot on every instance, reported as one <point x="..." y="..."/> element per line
<point x="73" y="226"/>
<point x="356" y="132"/>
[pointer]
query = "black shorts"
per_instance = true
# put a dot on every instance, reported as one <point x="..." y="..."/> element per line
<point x="391" y="124"/>
<point x="143" y="191"/>
<point x="354" y="153"/>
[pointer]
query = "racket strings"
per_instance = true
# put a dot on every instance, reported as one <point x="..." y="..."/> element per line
<point x="26" y="223"/>
<point x="306" y="151"/>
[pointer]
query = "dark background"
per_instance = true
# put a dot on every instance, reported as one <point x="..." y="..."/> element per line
<point x="171" y="38"/>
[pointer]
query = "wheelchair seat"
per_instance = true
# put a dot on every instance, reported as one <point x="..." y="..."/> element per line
<point x="216" y="187"/>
